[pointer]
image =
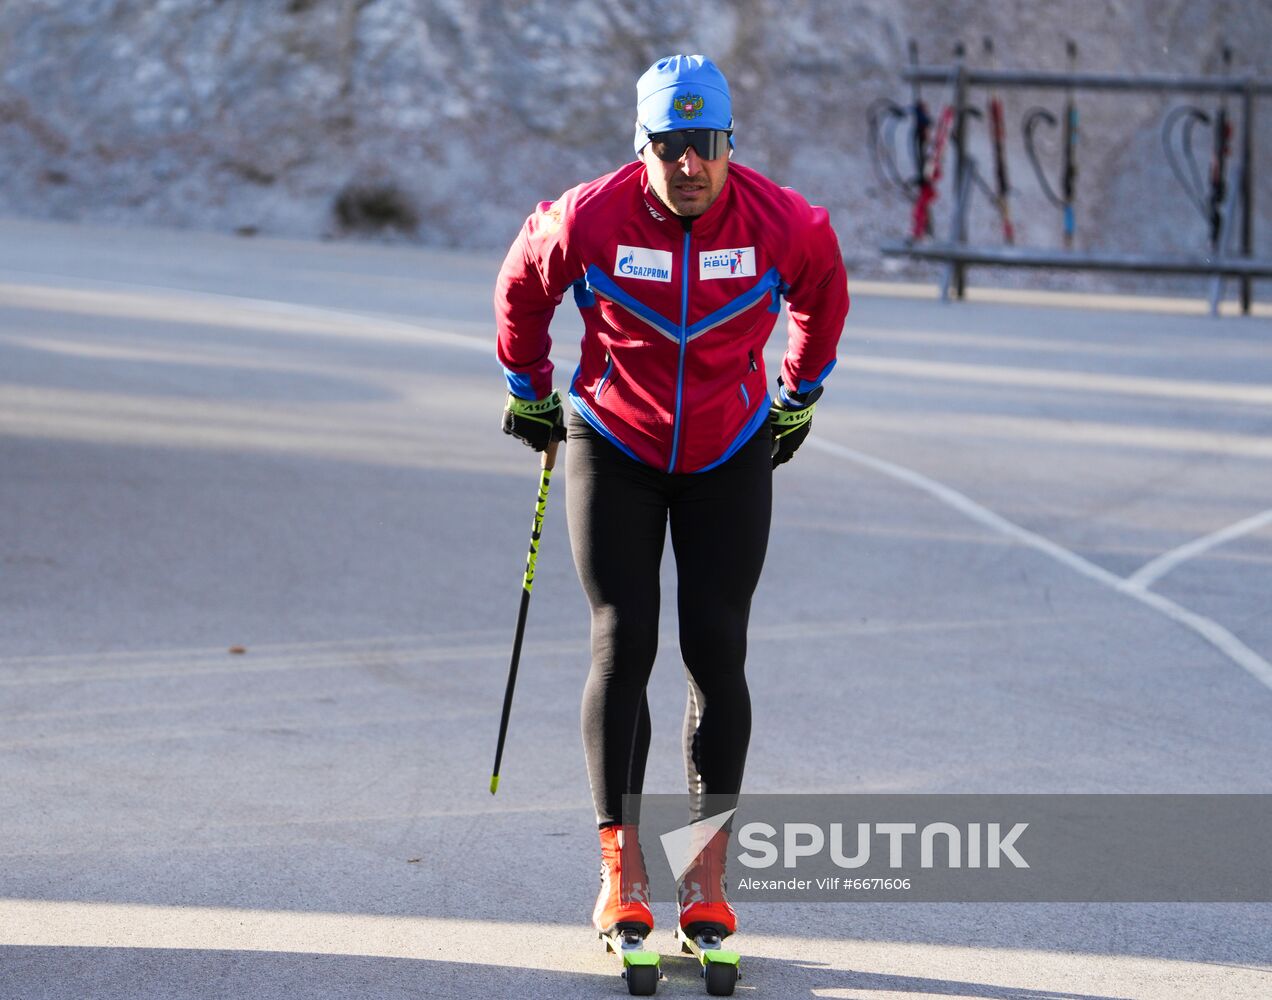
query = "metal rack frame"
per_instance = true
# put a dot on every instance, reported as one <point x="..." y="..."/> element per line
<point x="958" y="255"/>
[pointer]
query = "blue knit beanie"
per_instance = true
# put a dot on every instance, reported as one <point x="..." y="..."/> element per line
<point x="680" y="92"/>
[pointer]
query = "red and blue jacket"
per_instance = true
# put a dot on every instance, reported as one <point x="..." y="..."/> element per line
<point x="676" y="312"/>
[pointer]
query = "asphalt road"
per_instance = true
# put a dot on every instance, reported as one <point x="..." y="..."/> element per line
<point x="1028" y="549"/>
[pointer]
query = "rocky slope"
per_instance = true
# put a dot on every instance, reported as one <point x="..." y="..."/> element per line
<point x="444" y="121"/>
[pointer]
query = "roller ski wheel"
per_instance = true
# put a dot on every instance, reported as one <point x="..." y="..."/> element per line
<point x="641" y="971"/>
<point x="705" y="942"/>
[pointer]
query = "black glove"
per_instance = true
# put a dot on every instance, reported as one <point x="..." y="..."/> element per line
<point x="790" y="418"/>
<point x="534" y="421"/>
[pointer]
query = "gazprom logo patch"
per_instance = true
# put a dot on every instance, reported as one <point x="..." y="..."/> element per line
<point x="736" y="263"/>
<point x="643" y="262"/>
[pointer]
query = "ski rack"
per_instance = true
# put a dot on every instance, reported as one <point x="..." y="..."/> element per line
<point x="958" y="255"/>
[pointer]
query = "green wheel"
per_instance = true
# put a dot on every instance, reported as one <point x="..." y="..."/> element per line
<point x="721" y="978"/>
<point x="642" y="980"/>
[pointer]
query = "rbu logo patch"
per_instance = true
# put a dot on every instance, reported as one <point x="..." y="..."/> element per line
<point x="739" y="263"/>
<point x="643" y="262"/>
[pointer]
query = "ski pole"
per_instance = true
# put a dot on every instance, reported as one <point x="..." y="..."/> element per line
<point x="927" y="157"/>
<point x="1222" y="145"/>
<point x="1209" y="198"/>
<point x="1069" y="181"/>
<point x="527" y="584"/>
<point x="1069" y="173"/>
<point x="998" y="133"/>
<point x="921" y="221"/>
<point x="922" y="122"/>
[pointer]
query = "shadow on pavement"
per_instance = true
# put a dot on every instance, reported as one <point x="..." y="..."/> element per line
<point x="768" y="977"/>
<point x="54" y="973"/>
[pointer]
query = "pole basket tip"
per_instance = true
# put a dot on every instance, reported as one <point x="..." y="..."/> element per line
<point x="494" y="783"/>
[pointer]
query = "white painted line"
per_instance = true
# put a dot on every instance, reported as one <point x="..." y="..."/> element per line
<point x="1151" y="572"/>
<point x="1210" y="630"/>
<point x="969" y="507"/>
<point x="124" y="300"/>
<point x="1225" y="393"/>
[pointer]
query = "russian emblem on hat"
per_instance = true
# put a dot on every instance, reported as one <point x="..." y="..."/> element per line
<point x="688" y="106"/>
<point x="681" y="92"/>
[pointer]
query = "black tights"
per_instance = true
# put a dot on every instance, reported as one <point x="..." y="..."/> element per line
<point x="618" y="512"/>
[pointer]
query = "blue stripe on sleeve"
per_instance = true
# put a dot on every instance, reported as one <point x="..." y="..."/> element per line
<point x="519" y="384"/>
<point x="806" y="386"/>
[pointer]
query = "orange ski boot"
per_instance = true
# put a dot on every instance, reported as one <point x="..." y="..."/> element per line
<point x="623" y="903"/>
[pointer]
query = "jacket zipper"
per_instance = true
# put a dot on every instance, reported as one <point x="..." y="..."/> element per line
<point x="750" y="370"/>
<point x="684" y="341"/>
<point x="609" y="368"/>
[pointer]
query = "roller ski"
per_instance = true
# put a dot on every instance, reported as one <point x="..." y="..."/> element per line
<point x="706" y="918"/>
<point x="719" y="967"/>
<point x="622" y="916"/>
<point x="640" y="966"/>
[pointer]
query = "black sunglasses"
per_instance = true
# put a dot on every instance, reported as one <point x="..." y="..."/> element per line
<point x="708" y="143"/>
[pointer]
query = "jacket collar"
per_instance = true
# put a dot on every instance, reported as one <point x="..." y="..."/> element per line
<point x="704" y="225"/>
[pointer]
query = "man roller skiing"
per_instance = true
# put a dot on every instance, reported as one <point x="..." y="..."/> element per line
<point x="678" y="263"/>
